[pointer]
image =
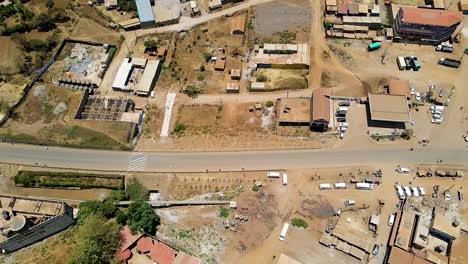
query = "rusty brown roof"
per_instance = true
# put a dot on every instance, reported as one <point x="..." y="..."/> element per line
<point x="321" y="104"/>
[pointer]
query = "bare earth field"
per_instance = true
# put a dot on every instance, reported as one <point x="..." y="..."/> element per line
<point x="230" y="126"/>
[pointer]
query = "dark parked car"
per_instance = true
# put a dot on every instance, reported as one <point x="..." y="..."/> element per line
<point x="341" y="119"/>
<point x="344" y="103"/>
<point x="409" y="63"/>
<point x="375" y="250"/>
<point x="340" y="113"/>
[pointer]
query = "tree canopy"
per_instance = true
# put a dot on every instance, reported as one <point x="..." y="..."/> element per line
<point x="97" y="241"/>
<point x="141" y="217"/>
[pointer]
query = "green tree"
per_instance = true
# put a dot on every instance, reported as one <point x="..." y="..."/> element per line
<point x="136" y="191"/>
<point x="151" y="44"/>
<point x="299" y="222"/>
<point x="193" y="90"/>
<point x="106" y="209"/>
<point x="49" y="4"/>
<point x="141" y="217"/>
<point x="97" y="241"/>
<point x="223" y="212"/>
<point x="44" y="22"/>
<point x="179" y="128"/>
<point x="269" y="104"/>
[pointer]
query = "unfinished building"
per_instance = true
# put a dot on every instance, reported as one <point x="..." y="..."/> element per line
<point x="103" y="108"/>
<point x="281" y="56"/>
<point x="425" y="231"/>
<point x="25" y="221"/>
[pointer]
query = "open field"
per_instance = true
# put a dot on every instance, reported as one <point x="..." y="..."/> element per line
<point x="228" y="126"/>
<point x="283" y="79"/>
<point x="47" y="116"/>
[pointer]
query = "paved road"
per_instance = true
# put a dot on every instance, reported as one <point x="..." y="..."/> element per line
<point x="249" y="160"/>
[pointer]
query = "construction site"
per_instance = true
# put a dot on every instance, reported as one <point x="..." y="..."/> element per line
<point x="25" y="221"/>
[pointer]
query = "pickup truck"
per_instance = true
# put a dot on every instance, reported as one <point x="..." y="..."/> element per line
<point x="449" y="62"/>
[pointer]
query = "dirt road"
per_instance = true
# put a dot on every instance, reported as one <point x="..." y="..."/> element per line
<point x="187" y="22"/>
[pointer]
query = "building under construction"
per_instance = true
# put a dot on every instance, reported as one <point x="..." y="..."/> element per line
<point x="25" y="221"/>
<point x="103" y="108"/>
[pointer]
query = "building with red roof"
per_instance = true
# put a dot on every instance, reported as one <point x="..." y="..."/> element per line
<point x="145" y="244"/>
<point x="162" y="253"/>
<point x="425" y="26"/>
<point x="127" y="239"/>
<point x="183" y="258"/>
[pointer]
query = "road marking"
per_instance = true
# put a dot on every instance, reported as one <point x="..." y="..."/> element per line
<point x="167" y="114"/>
<point x="137" y="161"/>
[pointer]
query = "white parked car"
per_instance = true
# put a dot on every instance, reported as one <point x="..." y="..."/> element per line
<point x="413" y="90"/>
<point x="436" y="120"/>
<point x="391" y="219"/>
<point x="437" y="107"/>
<point x="421" y="191"/>
<point x="436" y="116"/>
<point x="403" y="170"/>
<point x="418" y="96"/>
<point x="344" y="125"/>
<point x="341" y="135"/>
<point x="435" y="111"/>
<point x="447" y="195"/>
<point x="466" y="138"/>
<point x="342" y="129"/>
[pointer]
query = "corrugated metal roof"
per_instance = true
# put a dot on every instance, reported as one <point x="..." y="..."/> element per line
<point x="149" y="74"/>
<point x="433" y="17"/>
<point x="321" y="104"/>
<point x="145" y="12"/>
<point x="122" y="74"/>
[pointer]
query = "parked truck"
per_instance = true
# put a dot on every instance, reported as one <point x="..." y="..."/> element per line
<point x="374" y="46"/>
<point x="449" y="62"/>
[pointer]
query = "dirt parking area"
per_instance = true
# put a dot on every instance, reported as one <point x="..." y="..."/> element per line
<point x="280" y="16"/>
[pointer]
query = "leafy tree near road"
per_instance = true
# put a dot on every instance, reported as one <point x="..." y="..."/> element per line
<point x="136" y="191"/>
<point x="106" y="209"/>
<point x="97" y="241"/>
<point x="141" y="217"/>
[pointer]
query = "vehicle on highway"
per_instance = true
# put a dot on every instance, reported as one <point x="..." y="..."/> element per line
<point x="391" y="219"/>
<point x="341" y="119"/>
<point x="344" y="103"/>
<point x="349" y="202"/>
<point x="375" y="250"/>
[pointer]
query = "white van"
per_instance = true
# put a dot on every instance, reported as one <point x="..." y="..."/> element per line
<point x="284" y="231"/>
<point x="349" y="202"/>
<point x="273" y="174"/>
<point x="364" y="186"/>
<point x="325" y="186"/>
<point x="437" y="107"/>
<point x="400" y="192"/>
<point x="403" y="170"/>
<point x="340" y="185"/>
<point x="391" y="219"/>
<point x="285" y="179"/>
<point x="343" y="108"/>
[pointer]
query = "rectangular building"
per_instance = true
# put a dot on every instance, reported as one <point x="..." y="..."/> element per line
<point x="148" y="80"/>
<point x="145" y="13"/>
<point x="320" y="109"/>
<point x="293" y="111"/>
<point x="389" y="108"/>
<point x="166" y="12"/>
<point x="238" y="24"/>
<point x="425" y="26"/>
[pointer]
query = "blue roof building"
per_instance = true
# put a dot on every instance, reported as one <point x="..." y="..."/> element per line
<point x="145" y="13"/>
